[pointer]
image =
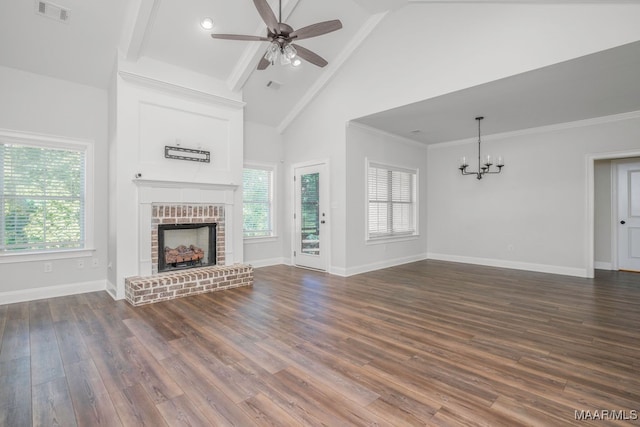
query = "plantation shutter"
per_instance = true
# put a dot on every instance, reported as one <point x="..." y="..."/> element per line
<point x="257" y="195"/>
<point x="391" y="201"/>
<point x="42" y="198"/>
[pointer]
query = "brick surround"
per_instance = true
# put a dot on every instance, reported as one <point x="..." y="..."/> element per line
<point x="140" y="290"/>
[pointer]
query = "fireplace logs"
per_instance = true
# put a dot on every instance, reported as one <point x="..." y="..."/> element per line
<point x="183" y="254"/>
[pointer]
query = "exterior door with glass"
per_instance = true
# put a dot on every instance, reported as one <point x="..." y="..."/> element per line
<point x="310" y="217"/>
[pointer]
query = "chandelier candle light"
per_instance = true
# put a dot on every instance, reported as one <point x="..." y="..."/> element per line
<point x="483" y="168"/>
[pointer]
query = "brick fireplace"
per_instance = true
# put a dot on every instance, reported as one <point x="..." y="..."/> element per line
<point x="161" y="286"/>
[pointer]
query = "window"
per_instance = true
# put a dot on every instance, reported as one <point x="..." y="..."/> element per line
<point x="42" y="195"/>
<point x="391" y="199"/>
<point x="257" y="196"/>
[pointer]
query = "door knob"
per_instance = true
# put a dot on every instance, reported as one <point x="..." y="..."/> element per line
<point x="623" y="222"/>
<point x="322" y="222"/>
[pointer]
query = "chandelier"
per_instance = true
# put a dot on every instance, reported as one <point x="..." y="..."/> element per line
<point x="483" y="168"/>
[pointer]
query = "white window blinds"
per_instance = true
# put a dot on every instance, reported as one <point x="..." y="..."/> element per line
<point x="257" y="195"/>
<point x="391" y="201"/>
<point x="42" y="198"/>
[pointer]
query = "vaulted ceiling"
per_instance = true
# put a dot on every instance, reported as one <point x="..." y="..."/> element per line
<point x="84" y="49"/>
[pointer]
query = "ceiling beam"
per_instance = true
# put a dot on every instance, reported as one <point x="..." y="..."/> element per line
<point x="140" y="20"/>
<point x="254" y="51"/>
<point x="332" y="68"/>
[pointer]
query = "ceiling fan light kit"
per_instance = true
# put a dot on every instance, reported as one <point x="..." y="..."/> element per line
<point x="281" y="37"/>
<point x="483" y="168"/>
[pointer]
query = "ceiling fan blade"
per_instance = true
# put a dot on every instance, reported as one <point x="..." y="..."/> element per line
<point x="316" y="29"/>
<point x="240" y="37"/>
<point x="267" y="15"/>
<point x="312" y="57"/>
<point x="263" y="64"/>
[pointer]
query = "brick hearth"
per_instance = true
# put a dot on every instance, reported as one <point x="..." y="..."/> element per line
<point x="166" y="286"/>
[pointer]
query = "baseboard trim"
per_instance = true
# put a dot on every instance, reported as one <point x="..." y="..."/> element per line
<point x="599" y="265"/>
<point x="514" y="265"/>
<point x="33" y="294"/>
<point x="112" y="290"/>
<point x="351" y="271"/>
<point x="266" y="262"/>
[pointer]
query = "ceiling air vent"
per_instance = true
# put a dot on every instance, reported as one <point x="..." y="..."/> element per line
<point x="53" y="11"/>
<point x="274" y="84"/>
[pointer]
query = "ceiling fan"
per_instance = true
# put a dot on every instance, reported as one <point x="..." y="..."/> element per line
<point x="282" y="37"/>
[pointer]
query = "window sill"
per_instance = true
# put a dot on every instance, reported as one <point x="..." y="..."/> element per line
<point x="45" y="256"/>
<point x="267" y="239"/>
<point x="391" y="239"/>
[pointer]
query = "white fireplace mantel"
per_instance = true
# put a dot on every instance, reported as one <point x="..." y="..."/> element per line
<point x="151" y="191"/>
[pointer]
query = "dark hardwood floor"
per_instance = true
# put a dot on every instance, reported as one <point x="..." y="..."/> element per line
<point x="428" y="343"/>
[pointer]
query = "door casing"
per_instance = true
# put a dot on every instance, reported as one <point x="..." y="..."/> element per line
<point x="326" y="193"/>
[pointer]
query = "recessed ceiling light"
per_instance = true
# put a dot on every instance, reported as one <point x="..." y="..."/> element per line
<point x="206" y="23"/>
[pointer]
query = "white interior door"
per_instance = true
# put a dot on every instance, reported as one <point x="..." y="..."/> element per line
<point x="629" y="216"/>
<point x="311" y="217"/>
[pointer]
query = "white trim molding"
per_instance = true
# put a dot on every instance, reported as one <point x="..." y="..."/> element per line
<point x="33" y="294"/>
<point x="515" y="265"/>
<point x="267" y="262"/>
<point x="365" y="268"/>
<point x="598" y="265"/>
<point x="589" y="251"/>
<point x="542" y="129"/>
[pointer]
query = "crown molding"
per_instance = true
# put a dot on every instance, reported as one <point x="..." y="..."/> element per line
<point x="372" y="129"/>
<point x="332" y="69"/>
<point x="175" y="89"/>
<point x="543" y="129"/>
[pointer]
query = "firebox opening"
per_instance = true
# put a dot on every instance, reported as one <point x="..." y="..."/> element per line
<point x="182" y="246"/>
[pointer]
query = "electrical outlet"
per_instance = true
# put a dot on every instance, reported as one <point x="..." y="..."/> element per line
<point x="80" y="264"/>
<point x="48" y="267"/>
<point x="95" y="262"/>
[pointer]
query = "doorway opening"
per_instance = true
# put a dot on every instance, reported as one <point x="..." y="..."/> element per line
<point x="603" y="218"/>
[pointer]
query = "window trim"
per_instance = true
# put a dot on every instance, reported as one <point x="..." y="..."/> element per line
<point x="393" y="237"/>
<point x="59" y="142"/>
<point x="273" y="168"/>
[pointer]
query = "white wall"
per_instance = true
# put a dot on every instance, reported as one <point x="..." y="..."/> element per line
<point x="34" y="103"/>
<point x="534" y="215"/>
<point x="263" y="144"/>
<point x="368" y="143"/>
<point x="437" y="49"/>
